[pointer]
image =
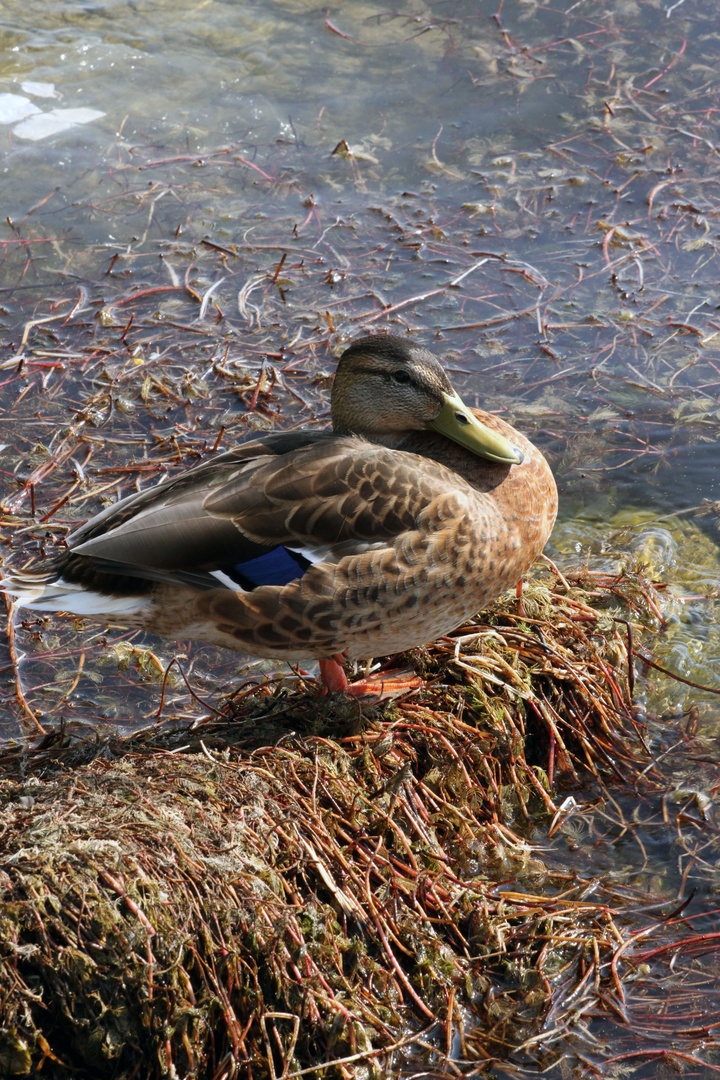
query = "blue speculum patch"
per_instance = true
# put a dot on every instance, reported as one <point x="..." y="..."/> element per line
<point x="277" y="567"/>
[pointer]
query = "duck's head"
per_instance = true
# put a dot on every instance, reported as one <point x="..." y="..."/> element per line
<point x="386" y="387"/>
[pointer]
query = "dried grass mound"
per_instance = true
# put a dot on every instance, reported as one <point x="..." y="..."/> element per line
<point x="310" y="886"/>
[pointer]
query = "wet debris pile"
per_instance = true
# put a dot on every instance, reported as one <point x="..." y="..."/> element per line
<point x="322" y="884"/>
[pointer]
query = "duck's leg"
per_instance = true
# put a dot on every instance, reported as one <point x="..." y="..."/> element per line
<point x="333" y="675"/>
<point x="382" y="684"/>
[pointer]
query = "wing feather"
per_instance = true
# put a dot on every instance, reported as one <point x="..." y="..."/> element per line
<point x="354" y="490"/>
<point x="370" y="512"/>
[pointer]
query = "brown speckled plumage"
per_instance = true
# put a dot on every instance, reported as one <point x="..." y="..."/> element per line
<point x="415" y="532"/>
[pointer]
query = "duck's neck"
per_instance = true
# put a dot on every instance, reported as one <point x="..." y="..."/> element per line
<point x="484" y="475"/>
<point x="394" y="440"/>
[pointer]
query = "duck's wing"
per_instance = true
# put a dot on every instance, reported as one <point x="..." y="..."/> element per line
<point x="262" y="514"/>
<point x="347" y="489"/>
<point x="166" y="526"/>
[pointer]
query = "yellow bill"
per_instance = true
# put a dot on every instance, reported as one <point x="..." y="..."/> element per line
<point x="457" y="422"/>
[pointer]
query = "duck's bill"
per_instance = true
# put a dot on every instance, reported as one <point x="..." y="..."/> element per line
<point x="457" y="422"/>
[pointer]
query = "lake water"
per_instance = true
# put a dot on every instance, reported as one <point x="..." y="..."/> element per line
<point x="204" y="199"/>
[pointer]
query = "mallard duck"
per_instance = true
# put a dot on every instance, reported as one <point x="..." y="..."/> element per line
<point x="412" y="514"/>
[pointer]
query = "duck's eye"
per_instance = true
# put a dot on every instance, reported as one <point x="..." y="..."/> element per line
<point x="401" y="377"/>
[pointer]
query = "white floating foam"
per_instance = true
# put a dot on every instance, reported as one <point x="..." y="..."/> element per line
<point x="14" y="107"/>
<point x="43" y="125"/>
<point x="39" y="89"/>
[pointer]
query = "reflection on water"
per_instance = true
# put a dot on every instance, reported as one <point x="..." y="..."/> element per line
<point x="246" y="185"/>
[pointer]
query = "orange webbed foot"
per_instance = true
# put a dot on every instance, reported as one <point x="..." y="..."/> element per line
<point x="383" y="685"/>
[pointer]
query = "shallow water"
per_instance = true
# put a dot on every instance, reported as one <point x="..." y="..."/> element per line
<point x="531" y="189"/>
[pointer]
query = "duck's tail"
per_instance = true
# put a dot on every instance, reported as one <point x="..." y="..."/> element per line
<point x="49" y="591"/>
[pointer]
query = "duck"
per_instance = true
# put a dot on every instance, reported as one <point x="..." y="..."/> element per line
<point x="412" y="514"/>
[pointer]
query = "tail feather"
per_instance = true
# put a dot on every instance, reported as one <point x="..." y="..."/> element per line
<point x="40" y="591"/>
